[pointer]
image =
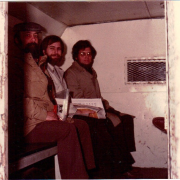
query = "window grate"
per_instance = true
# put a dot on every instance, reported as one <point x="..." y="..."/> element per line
<point x="146" y="71"/>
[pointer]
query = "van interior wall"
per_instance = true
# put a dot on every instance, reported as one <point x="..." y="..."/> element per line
<point x="114" y="43"/>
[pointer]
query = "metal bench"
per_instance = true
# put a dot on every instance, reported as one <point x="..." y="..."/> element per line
<point x="32" y="153"/>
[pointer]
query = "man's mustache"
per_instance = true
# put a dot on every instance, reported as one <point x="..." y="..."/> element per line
<point x="30" y="46"/>
<point x="55" y="55"/>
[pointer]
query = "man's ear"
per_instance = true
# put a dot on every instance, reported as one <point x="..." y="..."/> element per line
<point x="44" y="52"/>
<point x="17" y="41"/>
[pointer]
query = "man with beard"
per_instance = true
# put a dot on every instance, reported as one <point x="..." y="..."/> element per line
<point x="40" y="123"/>
<point x="25" y="35"/>
<point x="82" y="82"/>
<point x="52" y="49"/>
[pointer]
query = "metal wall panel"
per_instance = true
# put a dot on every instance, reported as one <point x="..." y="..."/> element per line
<point x="3" y="93"/>
<point x="173" y="85"/>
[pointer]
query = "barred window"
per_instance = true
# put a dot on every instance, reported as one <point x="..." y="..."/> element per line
<point x="146" y="71"/>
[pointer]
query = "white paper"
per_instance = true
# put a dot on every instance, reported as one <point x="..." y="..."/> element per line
<point x="93" y="104"/>
<point x="62" y="100"/>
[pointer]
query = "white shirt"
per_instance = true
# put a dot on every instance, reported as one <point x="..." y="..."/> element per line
<point x="56" y="74"/>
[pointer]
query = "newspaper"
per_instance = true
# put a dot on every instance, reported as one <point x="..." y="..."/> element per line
<point x="62" y="99"/>
<point x="66" y="109"/>
<point x="90" y="104"/>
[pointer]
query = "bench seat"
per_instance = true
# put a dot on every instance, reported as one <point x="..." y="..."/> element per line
<point x="32" y="153"/>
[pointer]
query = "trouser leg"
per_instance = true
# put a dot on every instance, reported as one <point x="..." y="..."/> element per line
<point x="109" y="157"/>
<point x="86" y="143"/>
<point x="101" y="141"/>
<point x="124" y="132"/>
<point x="123" y="156"/>
<point x="69" y="151"/>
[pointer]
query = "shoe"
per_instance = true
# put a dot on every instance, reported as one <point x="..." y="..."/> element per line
<point x="158" y="122"/>
<point x="129" y="175"/>
<point x="133" y="173"/>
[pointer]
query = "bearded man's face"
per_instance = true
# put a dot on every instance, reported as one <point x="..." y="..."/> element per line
<point x="54" y="53"/>
<point x="29" y="40"/>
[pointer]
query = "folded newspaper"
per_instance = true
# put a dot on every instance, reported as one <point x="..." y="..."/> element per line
<point x="66" y="109"/>
<point x="62" y="99"/>
<point x="89" y="104"/>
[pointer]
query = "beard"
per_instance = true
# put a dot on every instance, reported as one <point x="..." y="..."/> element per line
<point x="54" y="61"/>
<point x="32" y="48"/>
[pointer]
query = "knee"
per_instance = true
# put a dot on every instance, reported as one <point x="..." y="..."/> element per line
<point x="66" y="130"/>
<point x="81" y="125"/>
<point x="127" y="117"/>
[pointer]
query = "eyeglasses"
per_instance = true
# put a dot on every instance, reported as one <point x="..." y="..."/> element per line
<point x="83" y="54"/>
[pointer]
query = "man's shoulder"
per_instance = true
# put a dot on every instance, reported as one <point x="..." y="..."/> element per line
<point x="42" y="60"/>
<point x="75" y="67"/>
<point x="71" y="72"/>
<point x="70" y="68"/>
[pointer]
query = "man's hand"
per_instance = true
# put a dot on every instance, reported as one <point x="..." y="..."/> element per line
<point x="51" y="116"/>
<point x="84" y="111"/>
<point x="87" y="112"/>
<point x="70" y="120"/>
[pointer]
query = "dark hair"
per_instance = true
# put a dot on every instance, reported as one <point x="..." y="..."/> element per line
<point x="82" y="44"/>
<point x="50" y="40"/>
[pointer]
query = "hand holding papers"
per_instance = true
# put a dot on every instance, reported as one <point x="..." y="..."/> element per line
<point x="84" y="107"/>
<point x="86" y="112"/>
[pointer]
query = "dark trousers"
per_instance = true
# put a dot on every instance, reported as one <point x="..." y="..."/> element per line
<point x="69" y="151"/>
<point x="86" y="143"/>
<point x="123" y="133"/>
<point x="110" y="158"/>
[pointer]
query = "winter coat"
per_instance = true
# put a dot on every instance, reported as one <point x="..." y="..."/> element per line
<point x="82" y="84"/>
<point x="36" y="98"/>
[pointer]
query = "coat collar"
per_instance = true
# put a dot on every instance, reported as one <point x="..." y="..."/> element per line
<point x="42" y="60"/>
<point x="28" y="58"/>
<point x="81" y="69"/>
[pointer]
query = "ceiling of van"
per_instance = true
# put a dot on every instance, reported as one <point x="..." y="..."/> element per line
<point x="92" y="12"/>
